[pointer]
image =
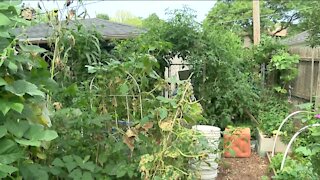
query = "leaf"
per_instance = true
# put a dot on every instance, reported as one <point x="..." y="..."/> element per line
<point x="13" y="67"/>
<point x="5" y="106"/>
<point x="2" y="82"/>
<point x="58" y="162"/>
<point x="166" y="125"/>
<point x="89" y="166"/>
<point x="33" y="171"/>
<point x="28" y="142"/>
<point x="163" y="113"/>
<point x="123" y="88"/>
<point x="3" y="131"/>
<point x="18" y="107"/>
<point x="7" y="169"/>
<point x="87" y="176"/>
<point x="147" y="126"/>
<point x="86" y="158"/>
<point x="17" y="128"/>
<point x="32" y="49"/>
<point x="75" y="174"/>
<point x="9" y="151"/>
<point x="68" y="158"/>
<point x="129" y="142"/>
<point x="71" y="165"/>
<point x="22" y="87"/>
<point x="4" y="20"/>
<point x="232" y="152"/>
<point x="35" y="132"/>
<point x="49" y="135"/>
<point x="303" y="150"/>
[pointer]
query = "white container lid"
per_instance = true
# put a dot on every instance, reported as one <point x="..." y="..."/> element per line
<point x="206" y="128"/>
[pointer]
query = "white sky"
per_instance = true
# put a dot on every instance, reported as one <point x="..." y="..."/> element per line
<point x="138" y="8"/>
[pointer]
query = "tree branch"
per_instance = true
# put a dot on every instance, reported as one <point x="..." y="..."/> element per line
<point x="292" y="18"/>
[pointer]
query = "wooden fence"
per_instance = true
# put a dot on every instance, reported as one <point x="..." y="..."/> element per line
<point x="307" y="84"/>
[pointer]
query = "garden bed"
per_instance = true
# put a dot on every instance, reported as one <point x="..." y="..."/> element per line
<point x="252" y="168"/>
<point x="265" y="144"/>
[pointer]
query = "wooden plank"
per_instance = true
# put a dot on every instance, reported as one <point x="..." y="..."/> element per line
<point x="317" y="101"/>
<point x="256" y="21"/>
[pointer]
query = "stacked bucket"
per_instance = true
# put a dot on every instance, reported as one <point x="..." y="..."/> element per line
<point x="209" y="167"/>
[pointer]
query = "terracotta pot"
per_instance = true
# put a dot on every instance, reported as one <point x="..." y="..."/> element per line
<point x="237" y="140"/>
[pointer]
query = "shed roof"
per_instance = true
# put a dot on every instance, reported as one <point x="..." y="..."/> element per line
<point x="109" y="30"/>
<point x="300" y="38"/>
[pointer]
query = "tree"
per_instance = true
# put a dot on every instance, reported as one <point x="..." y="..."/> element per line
<point x="236" y="15"/>
<point x="103" y="16"/>
<point x="311" y="22"/>
<point x="127" y="17"/>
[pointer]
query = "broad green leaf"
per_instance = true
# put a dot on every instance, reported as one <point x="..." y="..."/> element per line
<point x="58" y="162"/>
<point x="78" y="159"/>
<point x="75" y="174"/>
<point x="89" y="166"/>
<point x="4" y="20"/>
<point x="7" y="169"/>
<point x="22" y="87"/>
<point x="13" y="67"/>
<point x="303" y="150"/>
<point x="17" y="128"/>
<point x="70" y="166"/>
<point x="86" y="158"/>
<point x="68" y="158"/>
<point x="87" y="176"/>
<point x="2" y="82"/>
<point x="121" y="172"/>
<point x="35" y="132"/>
<point x="18" y="107"/>
<point x="11" y="157"/>
<point x="163" y="113"/>
<point x="4" y="34"/>
<point x="123" y="88"/>
<point x="9" y="151"/>
<point x="3" y="131"/>
<point x="32" y="48"/>
<point x="28" y="142"/>
<point x="33" y="171"/>
<point x="4" y="106"/>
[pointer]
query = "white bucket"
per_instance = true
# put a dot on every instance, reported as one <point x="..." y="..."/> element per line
<point x="209" y="168"/>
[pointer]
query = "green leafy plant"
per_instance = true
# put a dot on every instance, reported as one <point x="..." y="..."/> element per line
<point x="24" y="117"/>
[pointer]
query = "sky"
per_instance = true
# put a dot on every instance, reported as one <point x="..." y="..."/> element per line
<point x="138" y="8"/>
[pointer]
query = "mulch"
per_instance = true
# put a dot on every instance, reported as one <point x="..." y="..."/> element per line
<point x="252" y="168"/>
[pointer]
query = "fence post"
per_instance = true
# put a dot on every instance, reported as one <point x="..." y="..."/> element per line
<point x="312" y="75"/>
<point x="317" y="103"/>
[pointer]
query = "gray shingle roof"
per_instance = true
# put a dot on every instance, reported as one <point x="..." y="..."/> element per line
<point x="300" y="38"/>
<point x="107" y="29"/>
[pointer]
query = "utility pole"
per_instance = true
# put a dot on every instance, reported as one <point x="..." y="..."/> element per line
<point x="256" y="21"/>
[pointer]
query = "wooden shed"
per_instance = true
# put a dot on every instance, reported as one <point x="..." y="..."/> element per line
<point x="306" y="87"/>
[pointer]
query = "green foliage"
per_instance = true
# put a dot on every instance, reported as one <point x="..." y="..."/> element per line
<point x="222" y="78"/>
<point x="272" y="110"/>
<point x="236" y="15"/>
<point x="24" y="80"/>
<point x="126" y="17"/>
<point x="103" y="16"/>
<point x="281" y="66"/>
<point x="305" y="155"/>
<point x="311" y="23"/>
<point x="293" y="169"/>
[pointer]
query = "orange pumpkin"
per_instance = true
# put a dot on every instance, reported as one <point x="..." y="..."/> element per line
<point x="237" y="142"/>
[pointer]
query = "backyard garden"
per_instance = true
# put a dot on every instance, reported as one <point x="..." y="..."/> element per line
<point x="80" y="105"/>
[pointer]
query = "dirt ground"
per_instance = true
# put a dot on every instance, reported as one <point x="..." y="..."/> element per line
<point x="252" y="168"/>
